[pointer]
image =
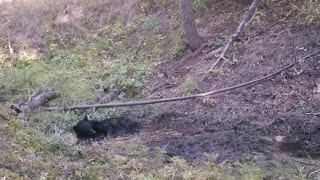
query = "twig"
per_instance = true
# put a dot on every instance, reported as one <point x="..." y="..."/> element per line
<point x="201" y="48"/>
<point x="31" y="97"/>
<point x="134" y="103"/>
<point x="314" y="172"/>
<point x="305" y="163"/>
<point x="313" y="114"/>
<point x="247" y="19"/>
<point x="11" y="50"/>
<point x="137" y="50"/>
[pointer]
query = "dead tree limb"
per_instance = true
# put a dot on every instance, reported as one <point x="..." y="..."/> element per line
<point x="35" y="101"/>
<point x="4" y="117"/>
<point x="247" y="19"/>
<point x="134" y="103"/>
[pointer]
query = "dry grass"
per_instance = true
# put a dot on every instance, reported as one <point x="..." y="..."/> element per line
<point x="24" y="23"/>
<point x="71" y="46"/>
<point x="309" y="13"/>
<point x="28" y="154"/>
<point x="189" y="85"/>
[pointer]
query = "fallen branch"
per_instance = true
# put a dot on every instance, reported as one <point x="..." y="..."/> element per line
<point x="35" y="101"/>
<point x="248" y="17"/>
<point x="4" y="117"/>
<point x="313" y="114"/>
<point x="134" y="103"/>
<point x="305" y="163"/>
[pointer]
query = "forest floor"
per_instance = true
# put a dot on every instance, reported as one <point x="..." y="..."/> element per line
<point x="247" y="120"/>
<point x="273" y="124"/>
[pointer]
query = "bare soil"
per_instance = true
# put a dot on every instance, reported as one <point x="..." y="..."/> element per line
<point x="246" y="120"/>
<point x="249" y="120"/>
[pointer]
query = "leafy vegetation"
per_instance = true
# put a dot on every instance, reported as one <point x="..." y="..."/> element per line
<point x="200" y="6"/>
<point x="309" y="12"/>
<point x="95" y="44"/>
<point x="179" y="48"/>
<point x="189" y="85"/>
<point x="73" y="63"/>
<point x="31" y="155"/>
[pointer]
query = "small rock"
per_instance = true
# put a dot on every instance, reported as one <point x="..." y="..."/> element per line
<point x="279" y="139"/>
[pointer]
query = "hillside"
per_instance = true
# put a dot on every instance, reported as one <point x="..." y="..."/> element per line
<point x="98" y="51"/>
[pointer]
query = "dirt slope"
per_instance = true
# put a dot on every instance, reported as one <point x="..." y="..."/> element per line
<point x="246" y="120"/>
<point x="243" y="121"/>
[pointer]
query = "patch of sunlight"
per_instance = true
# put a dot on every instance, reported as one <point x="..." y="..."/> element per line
<point x="28" y="55"/>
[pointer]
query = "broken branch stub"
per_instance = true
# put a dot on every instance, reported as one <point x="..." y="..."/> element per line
<point x="35" y="102"/>
<point x="250" y="13"/>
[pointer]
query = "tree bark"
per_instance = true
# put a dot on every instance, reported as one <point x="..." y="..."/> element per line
<point x="35" y="101"/>
<point x="191" y="33"/>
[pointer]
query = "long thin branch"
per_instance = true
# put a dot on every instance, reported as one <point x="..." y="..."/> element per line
<point x="248" y="17"/>
<point x="134" y="103"/>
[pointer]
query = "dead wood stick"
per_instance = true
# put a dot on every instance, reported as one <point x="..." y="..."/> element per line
<point x="248" y="17"/>
<point x="305" y="163"/>
<point x="35" y="101"/>
<point x="3" y="117"/>
<point x="313" y="114"/>
<point x="134" y="103"/>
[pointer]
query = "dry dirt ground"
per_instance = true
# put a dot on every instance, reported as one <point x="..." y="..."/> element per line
<point x="267" y="119"/>
<point x="274" y="117"/>
<point x="246" y="120"/>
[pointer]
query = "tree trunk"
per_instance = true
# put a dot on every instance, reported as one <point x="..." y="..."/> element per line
<point x="191" y="33"/>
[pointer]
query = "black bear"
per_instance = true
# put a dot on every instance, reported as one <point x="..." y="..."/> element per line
<point x="111" y="127"/>
<point x="85" y="129"/>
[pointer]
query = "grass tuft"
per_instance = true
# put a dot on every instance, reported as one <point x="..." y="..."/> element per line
<point x="309" y="13"/>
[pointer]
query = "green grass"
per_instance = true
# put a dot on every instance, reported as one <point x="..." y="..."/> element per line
<point x="180" y="48"/>
<point x="200" y="6"/>
<point x="31" y="155"/>
<point x="189" y="85"/>
<point x="309" y="13"/>
<point x="21" y="82"/>
<point x="75" y="61"/>
<point x="99" y="52"/>
<point x="152" y="6"/>
<point x="72" y="65"/>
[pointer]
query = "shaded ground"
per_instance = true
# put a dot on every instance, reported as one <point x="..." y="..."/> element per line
<point x="247" y="120"/>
